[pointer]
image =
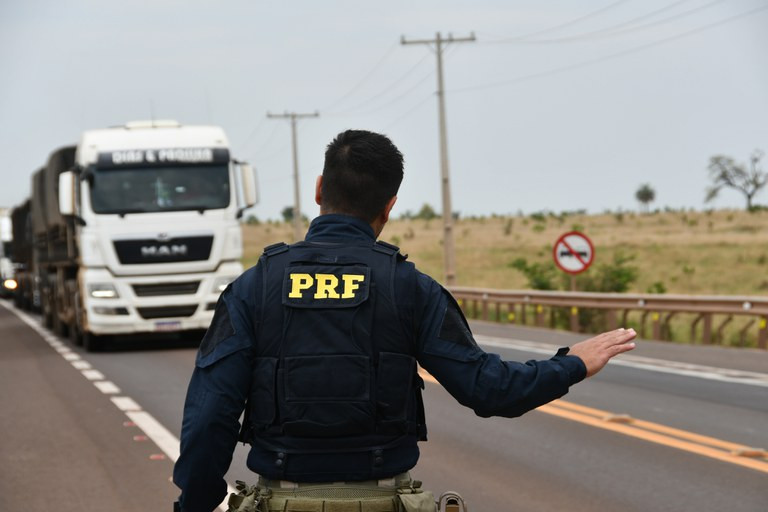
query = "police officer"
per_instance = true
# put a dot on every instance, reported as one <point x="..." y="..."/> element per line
<point x="319" y="345"/>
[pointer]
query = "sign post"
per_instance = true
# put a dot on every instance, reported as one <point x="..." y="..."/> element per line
<point x="573" y="253"/>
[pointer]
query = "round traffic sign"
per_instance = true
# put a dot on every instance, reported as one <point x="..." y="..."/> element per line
<point x="573" y="252"/>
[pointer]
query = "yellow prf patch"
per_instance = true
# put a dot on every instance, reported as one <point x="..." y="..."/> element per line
<point x="324" y="286"/>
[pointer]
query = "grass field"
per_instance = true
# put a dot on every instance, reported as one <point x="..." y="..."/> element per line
<point x="720" y="252"/>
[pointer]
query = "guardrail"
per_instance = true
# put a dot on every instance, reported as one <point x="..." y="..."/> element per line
<point x="491" y="304"/>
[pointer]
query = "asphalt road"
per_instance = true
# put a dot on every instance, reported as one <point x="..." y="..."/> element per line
<point x="71" y="438"/>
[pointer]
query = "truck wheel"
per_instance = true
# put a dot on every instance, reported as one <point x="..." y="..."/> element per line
<point x="59" y="327"/>
<point x="92" y="343"/>
<point x="75" y="334"/>
<point x="47" y="317"/>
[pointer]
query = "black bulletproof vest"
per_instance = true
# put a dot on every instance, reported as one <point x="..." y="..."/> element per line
<point x="334" y="368"/>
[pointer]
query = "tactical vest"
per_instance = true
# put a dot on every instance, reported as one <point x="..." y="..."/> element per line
<point x="334" y="367"/>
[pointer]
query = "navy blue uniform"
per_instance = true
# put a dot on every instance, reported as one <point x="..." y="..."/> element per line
<point x="443" y="345"/>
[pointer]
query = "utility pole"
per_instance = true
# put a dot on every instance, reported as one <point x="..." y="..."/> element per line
<point x="448" y="247"/>
<point x="298" y="229"/>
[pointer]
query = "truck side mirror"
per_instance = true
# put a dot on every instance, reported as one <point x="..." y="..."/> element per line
<point x="67" y="183"/>
<point x="248" y="181"/>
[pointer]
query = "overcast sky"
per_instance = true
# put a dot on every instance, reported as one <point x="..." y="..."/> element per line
<point x="558" y="105"/>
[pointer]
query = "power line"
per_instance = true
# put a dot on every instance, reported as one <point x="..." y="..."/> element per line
<point x="400" y="96"/>
<point x="266" y="141"/>
<point x="378" y="64"/>
<point x="410" y="111"/>
<point x="447" y="53"/>
<point x="381" y="93"/>
<point x="614" y="31"/>
<point x="598" y="60"/>
<point x="251" y="134"/>
<point x="561" y="25"/>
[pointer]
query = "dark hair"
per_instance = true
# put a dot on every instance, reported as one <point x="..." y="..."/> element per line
<point x="362" y="172"/>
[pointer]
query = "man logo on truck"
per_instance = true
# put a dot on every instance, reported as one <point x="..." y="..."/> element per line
<point x="159" y="251"/>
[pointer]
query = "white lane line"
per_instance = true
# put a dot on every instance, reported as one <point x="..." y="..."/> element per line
<point x="72" y="356"/>
<point x="107" y="387"/>
<point x="160" y="435"/>
<point x="81" y="364"/>
<point x="640" y="362"/>
<point x="125" y="403"/>
<point x="152" y="428"/>
<point x="93" y="374"/>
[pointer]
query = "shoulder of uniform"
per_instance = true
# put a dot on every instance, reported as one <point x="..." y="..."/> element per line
<point x="277" y="248"/>
<point x="389" y="249"/>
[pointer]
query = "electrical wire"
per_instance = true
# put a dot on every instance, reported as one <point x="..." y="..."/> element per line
<point x="252" y="133"/>
<point x="561" y="25"/>
<point x="267" y="140"/>
<point x="378" y="64"/>
<point x="629" y="51"/>
<point x="381" y="93"/>
<point x="410" y="111"/>
<point x="400" y="96"/>
<point x="447" y="52"/>
<point x="614" y="31"/>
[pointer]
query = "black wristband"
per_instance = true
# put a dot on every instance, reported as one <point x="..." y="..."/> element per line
<point x="563" y="351"/>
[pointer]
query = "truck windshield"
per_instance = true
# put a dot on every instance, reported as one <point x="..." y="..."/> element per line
<point x="158" y="189"/>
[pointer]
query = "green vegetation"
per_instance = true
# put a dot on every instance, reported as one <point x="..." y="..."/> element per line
<point x="671" y="251"/>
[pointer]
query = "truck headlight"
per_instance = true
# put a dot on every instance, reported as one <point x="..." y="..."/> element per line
<point x="220" y="283"/>
<point x="103" y="291"/>
<point x="10" y="284"/>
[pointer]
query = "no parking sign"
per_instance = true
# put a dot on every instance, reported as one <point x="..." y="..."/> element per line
<point x="573" y="252"/>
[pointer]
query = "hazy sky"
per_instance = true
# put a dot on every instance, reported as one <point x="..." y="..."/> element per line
<point x="557" y="105"/>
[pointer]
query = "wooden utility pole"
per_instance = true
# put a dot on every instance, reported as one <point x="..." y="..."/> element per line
<point x="448" y="248"/>
<point x="298" y="229"/>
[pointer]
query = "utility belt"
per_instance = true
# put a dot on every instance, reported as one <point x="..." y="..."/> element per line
<point x="397" y="494"/>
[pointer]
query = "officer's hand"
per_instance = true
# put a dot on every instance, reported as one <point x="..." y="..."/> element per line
<point x="595" y="352"/>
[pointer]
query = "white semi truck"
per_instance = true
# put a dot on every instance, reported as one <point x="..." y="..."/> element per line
<point x="135" y="230"/>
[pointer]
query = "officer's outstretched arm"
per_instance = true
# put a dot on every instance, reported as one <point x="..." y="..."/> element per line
<point x="596" y="352"/>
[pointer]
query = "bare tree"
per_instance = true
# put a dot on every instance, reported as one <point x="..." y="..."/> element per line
<point x="725" y="173"/>
<point x="645" y="195"/>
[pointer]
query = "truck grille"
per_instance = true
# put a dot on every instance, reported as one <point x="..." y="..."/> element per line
<point x="167" y="311"/>
<point x="156" y="290"/>
<point x="189" y="248"/>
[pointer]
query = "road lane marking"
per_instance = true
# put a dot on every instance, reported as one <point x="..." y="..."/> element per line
<point x="647" y="425"/>
<point x="107" y="387"/>
<point x="641" y="362"/>
<point x="93" y="374"/>
<point x="81" y="364"/>
<point x="125" y="403"/>
<point x="654" y="437"/>
<point x="161" y="436"/>
<point x="725" y="451"/>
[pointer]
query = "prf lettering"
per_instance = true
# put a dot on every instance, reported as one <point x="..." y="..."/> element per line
<point x="327" y="285"/>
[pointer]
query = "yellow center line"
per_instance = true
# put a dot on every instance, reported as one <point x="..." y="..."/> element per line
<point x="647" y="425"/>
<point x="652" y="432"/>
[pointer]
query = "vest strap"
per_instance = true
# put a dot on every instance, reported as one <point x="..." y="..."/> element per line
<point x="277" y="248"/>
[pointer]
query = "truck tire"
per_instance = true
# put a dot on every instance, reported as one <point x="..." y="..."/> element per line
<point x="92" y="342"/>
<point x="75" y="334"/>
<point x="60" y="327"/>
<point x="46" y="310"/>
